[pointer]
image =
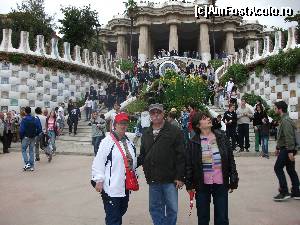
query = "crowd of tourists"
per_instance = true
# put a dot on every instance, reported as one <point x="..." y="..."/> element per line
<point x="203" y="162"/>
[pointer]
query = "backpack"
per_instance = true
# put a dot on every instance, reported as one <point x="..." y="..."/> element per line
<point x="30" y="128"/>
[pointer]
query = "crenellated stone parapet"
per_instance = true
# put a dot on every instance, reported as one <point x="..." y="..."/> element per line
<point x="252" y="53"/>
<point x="40" y="51"/>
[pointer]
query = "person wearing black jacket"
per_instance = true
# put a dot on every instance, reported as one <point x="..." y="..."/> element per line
<point x="217" y="122"/>
<point x="74" y="116"/>
<point x="258" y="117"/>
<point x="163" y="160"/>
<point x="230" y="119"/>
<point x="210" y="170"/>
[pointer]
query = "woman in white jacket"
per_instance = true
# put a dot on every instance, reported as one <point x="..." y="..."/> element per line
<point x="108" y="171"/>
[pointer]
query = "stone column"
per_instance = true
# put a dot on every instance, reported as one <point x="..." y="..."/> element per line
<point x="150" y="47"/>
<point x="229" y="43"/>
<point x="204" y="47"/>
<point x="173" y="38"/>
<point x="121" y="47"/>
<point x="143" y="43"/>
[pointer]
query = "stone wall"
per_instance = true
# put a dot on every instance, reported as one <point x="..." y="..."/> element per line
<point x="275" y="88"/>
<point x="34" y="86"/>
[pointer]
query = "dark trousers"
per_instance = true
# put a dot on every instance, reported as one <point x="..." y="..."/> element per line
<point x="281" y="162"/>
<point x="243" y="135"/>
<point x="231" y="134"/>
<point x="6" y="140"/>
<point x="220" y="199"/>
<point x="96" y="142"/>
<point x="115" y="208"/>
<point x="73" y="123"/>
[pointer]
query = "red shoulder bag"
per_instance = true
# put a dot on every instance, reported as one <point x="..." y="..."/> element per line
<point x="131" y="182"/>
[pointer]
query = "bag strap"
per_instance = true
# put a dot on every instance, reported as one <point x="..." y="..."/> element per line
<point x="120" y="149"/>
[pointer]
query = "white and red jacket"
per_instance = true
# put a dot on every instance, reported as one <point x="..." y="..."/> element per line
<point x="108" y="166"/>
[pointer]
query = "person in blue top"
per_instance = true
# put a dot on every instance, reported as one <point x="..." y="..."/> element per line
<point x="30" y="128"/>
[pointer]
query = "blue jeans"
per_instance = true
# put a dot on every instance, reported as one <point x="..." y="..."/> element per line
<point x="31" y="143"/>
<point x="52" y="136"/>
<point x="115" y="208"/>
<point x="220" y="200"/>
<point x="88" y="112"/>
<point x="281" y="162"/>
<point x="163" y="203"/>
<point x="265" y="145"/>
<point x="96" y="142"/>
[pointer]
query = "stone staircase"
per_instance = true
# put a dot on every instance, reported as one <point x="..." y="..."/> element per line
<point x="272" y="142"/>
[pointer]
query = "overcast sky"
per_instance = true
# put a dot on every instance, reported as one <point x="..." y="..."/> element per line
<point x="108" y="8"/>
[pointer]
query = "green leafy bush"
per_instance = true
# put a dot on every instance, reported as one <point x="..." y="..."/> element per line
<point x="238" y="72"/>
<point x="215" y="63"/>
<point x="54" y="64"/>
<point x="251" y="99"/>
<point x="125" y="65"/>
<point x="258" y="70"/>
<point x="137" y="106"/>
<point x="284" y="62"/>
<point x="178" y="91"/>
<point x="273" y="115"/>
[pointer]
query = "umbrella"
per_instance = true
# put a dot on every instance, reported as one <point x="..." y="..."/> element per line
<point x="192" y="194"/>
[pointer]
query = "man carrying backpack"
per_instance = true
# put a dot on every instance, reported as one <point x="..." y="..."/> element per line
<point x="286" y="151"/>
<point x="30" y="127"/>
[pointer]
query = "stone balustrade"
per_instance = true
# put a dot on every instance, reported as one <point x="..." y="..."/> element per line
<point x="253" y="55"/>
<point x="79" y="59"/>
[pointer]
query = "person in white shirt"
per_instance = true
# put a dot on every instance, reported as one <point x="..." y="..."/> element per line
<point x="108" y="170"/>
<point x="61" y="118"/>
<point x="145" y="120"/>
<point x="229" y="86"/>
<point x="88" y="108"/>
<point x="102" y="93"/>
<point x="113" y="114"/>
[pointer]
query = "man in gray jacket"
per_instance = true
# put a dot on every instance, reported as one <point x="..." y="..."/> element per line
<point x="244" y="113"/>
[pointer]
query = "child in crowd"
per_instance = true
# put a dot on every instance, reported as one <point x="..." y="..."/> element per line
<point x="265" y="132"/>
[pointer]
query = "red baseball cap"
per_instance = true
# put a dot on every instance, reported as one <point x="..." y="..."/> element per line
<point x="121" y="117"/>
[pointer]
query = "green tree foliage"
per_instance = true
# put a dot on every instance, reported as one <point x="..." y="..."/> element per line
<point x="238" y="72"/>
<point x="131" y="10"/>
<point x="284" y="63"/>
<point x="79" y="26"/>
<point x="125" y="65"/>
<point x="295" y="18"/>
<point x="30" y="16"/>
<point x="215" y="63"/>
<point x="178" y="91"/>
<point x="251" y="99"/>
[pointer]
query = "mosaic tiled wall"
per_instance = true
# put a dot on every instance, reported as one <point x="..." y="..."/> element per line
<point x="274" y="88"/>
<point x="33" y="86"/>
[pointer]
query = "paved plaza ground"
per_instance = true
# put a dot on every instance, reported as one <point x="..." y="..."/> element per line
<point x="59" y="193"/>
